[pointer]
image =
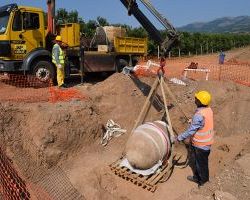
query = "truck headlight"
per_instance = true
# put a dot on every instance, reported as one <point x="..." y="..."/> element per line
<point x="1" y="66"/>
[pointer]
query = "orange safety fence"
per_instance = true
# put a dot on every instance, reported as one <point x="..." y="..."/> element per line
<point x="68" y="94"/>
<point x="23" y="88"/>
<point x="12" y="185"/>
<point x="52" y="186"/>
<point x="142" y="71"/>
<point x="29" y="89"/>
<point x="234" y="61"/>
<point x="239" y="73"/>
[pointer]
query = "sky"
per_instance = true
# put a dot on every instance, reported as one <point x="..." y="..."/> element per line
<point x="178" y="12"/>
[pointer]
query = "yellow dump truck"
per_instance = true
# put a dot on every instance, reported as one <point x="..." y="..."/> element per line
<point x="25" y="46"/>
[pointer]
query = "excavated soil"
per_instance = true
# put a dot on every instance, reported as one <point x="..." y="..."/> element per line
<point x="241" y="57"/>
<point x="68" y="134"/>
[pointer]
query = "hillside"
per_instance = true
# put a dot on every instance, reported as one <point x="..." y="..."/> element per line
<point x="220" y="25"/>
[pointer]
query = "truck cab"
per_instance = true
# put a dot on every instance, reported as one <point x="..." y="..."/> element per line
<point x="21" y="33"/>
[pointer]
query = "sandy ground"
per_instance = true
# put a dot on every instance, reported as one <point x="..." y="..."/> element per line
<point x="224" y="151"/>
<point x="68" y="134"/>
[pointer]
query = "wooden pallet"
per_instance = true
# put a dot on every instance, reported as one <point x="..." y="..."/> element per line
<point x="146" y="182"/>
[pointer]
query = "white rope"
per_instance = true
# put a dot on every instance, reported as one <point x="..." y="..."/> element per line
<point x="112" y="130"/>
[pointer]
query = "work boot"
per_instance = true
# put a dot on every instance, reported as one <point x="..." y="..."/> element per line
<point x="63" y="86"/>
<point x="193" y="179"/>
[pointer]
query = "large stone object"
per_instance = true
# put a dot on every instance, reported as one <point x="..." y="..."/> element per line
<point x="148" y="144"/>
<point x="112" y="32"/>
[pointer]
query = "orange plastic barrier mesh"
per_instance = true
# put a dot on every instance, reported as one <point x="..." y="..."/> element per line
<point x="68" y="94"/>
<point x="13" y="187"/>
<point x="27" y="88"/>
<point x="239" y="73"/>
<point x="234" y="61"/>
<point x="227" y="72"/>
<point x="48" y="186"/>
<point x="142" y="71"/>
<point x="23" y="88"/>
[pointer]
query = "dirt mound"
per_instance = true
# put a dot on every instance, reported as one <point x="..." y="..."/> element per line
<point x="69" y="133"/>
<point x="241" y="57"/>
<point x="120" y="98"/>
<point x="50" y="132"/>
<point x="229" y="103"/>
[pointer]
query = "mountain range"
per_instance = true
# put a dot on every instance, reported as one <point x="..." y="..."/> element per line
<point x="220" y="25"/>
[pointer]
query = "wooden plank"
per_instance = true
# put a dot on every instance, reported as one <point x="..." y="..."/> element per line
<point x="127" y="174"/>
<point x="146" y="182"/>
<point x="164" y="171"/>
<point x="169" y="123"/>
<point x="171" y="94"/>
<point x="146" y="105"/>
<point x="152" y="177"/>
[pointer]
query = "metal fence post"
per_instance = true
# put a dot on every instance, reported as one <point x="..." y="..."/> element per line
<point x="81" y="58"/>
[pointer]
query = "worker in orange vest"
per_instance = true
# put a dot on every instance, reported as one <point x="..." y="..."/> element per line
<point x="201" y="133"/>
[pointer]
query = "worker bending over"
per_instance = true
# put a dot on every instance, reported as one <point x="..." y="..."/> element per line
<point x="201" y="133"/>
<point x="58" y="59"/>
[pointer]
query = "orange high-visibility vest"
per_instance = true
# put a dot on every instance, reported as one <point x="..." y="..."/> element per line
<point x="205" y="136"/>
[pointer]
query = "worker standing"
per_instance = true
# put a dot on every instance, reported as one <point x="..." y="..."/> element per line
<point x="58" y="59"/>
<point x="222" y="56"/>
<point x="201" y="133"/>
<point x="161" y="69"/>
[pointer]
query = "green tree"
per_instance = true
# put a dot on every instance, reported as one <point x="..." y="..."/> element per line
<point x="189" y="42"/>
<point x="73" y="17"/>
<point x="90" y="28"/>
<point x="102" y="21"/>
<point x="62" y="15"/>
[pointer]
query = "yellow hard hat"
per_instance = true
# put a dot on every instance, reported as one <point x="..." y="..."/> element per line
<point x="58" y="38"/>
<point x="204" y="97"/>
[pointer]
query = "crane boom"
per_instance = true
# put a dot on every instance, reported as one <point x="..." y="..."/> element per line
<point x="51" y="16"/>
<point x="160" y="18"/>
<point x="165" y="43"/>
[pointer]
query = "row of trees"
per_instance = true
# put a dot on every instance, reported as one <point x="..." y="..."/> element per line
<point x="200" y="43"/>
<point x="190" y="43"/>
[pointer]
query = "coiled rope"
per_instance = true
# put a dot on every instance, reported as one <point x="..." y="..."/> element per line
<point x="112" y="130"/>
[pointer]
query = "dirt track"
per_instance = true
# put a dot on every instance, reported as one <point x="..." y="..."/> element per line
<point x="68" y="134"/>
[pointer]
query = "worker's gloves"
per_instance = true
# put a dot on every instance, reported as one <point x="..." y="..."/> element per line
<point x="59" y="66"/>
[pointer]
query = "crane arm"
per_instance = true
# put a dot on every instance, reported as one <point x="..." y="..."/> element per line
<point x="165" y="43"/>
<point x="51" y="16"/>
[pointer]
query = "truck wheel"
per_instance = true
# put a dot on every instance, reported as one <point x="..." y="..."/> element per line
<point x="120" y="64"/>
<point x="44" y="70"/>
